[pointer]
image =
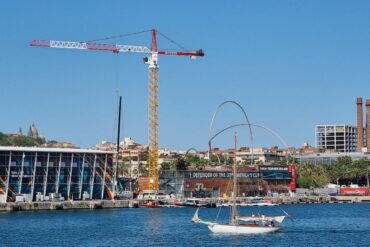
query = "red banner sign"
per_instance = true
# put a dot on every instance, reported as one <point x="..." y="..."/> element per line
<point x="292" y="185"/>
<point x="354" y="191"/>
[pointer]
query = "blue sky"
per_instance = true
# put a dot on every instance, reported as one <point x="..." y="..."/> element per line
<point x="291" y="64"/>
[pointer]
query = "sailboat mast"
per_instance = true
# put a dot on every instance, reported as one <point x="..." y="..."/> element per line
<point x="234" y="221"/>
<point x="117" y="146"/>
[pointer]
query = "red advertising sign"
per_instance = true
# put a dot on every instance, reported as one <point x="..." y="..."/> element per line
<point x="292" y="185"/>
<point x="347" y="191"/>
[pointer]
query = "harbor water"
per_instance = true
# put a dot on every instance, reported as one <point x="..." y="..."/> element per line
<point x="312" y="225"/>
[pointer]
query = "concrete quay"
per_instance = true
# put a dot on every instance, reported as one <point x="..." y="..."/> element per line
<point x="67" y="205"/>
<point x="111" y="204"/>
<point x="323" y="199"/>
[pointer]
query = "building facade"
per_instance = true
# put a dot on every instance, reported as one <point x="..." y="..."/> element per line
<point x="336" y="138"/>
<point x="266" y="180"/>
<point x="53" y="172"/>
<point x="329" y="158"/>
<point x="259" y="155"/>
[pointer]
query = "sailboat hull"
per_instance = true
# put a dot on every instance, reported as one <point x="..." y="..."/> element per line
<point x="242" y="229"/>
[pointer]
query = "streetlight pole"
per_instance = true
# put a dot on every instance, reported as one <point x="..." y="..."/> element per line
<point x="368" y="167"/>
<point x="130" y="175"/>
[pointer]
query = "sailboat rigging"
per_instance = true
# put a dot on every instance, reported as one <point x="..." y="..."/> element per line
<point x="241" y="224"/>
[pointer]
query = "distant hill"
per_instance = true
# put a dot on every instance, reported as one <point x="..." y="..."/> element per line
<point x="20" y="140"/>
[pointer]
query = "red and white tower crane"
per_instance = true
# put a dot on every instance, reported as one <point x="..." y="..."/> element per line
<point x="152" y="62"/>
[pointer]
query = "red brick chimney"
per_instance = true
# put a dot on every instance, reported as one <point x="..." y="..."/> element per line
<point x="360" y="128"/>
<point x="368" y="124"/>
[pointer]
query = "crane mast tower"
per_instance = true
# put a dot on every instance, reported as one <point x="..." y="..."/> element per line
<point x="152" y="61"/>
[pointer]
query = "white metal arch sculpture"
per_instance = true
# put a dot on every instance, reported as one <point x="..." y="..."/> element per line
<point x="213" y="119"/>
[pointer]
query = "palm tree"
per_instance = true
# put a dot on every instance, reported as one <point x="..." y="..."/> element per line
<point x="315" y="173"/>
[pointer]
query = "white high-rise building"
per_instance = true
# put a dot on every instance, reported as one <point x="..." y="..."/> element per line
<point x="336" y="137"/>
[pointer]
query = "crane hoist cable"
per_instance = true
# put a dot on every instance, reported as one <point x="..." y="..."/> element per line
<point x="119" y="36"/>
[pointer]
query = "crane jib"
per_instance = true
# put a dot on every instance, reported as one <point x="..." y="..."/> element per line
<point x="109" y="47"/>
<point x="90" y="46"/>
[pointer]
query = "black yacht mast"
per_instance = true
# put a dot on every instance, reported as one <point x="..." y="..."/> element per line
<point x="118" y="139"/>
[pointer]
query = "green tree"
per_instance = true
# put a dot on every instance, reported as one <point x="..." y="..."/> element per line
<point x="122" y="169"/>
<point x="196" y="161"/>
<point x="305" y="182"/>
<point x="143" y="169"/>
<point x="342" y="169"/>
<point x="201" y="164"/>
<point x="286" y="161"/>
<point x="317" y="174"/>
<point x="361" y="167"/>
<point x="216" y="160"/>
<point x="344" y="161"/>
<point x="51" y="143"/>
<point x="230" y="160"/>
<point x="24" y="141"/>
<point x="143" y="156"/>
<point x="192" y="159"/>
<point x="166" y="166"/>
<point x="127" y="159"/>
<point x="4" y="140"/>
<point x="181" y="164"/>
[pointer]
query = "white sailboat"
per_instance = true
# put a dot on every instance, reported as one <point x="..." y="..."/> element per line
<point x="242" y="224"/>
<point x="253" y="225"/>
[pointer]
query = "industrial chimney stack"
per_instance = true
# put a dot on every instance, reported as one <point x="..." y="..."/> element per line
<point x="368" y="124"/>
<point x="360" y="128"/>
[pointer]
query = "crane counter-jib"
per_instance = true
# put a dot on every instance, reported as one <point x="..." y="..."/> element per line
<point x="198" y="53"/>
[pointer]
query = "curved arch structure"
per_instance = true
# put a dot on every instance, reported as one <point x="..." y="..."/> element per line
<point x="213" y="119"/>
<point x="254" y="125"/>
<point x="190" y="149"/>
<point x="241" y="108"/>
